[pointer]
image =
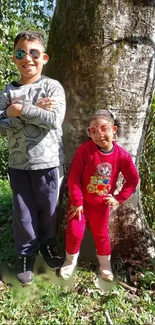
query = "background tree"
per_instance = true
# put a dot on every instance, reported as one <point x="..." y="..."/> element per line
<point x="103" y="53"/>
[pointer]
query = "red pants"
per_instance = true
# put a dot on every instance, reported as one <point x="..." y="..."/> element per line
<point x="98" y="222"/>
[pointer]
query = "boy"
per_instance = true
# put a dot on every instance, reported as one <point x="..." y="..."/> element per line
<point x="32" y="111"/>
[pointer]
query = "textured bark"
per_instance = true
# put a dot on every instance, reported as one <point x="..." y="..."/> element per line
<point x="103" y="53"/>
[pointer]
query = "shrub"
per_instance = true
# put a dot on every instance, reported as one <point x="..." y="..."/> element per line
<point x="147" y="170"/>
<point x="3" y="158"/>
<point x="5" y="201"/>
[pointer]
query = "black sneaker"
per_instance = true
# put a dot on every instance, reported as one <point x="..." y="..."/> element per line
<point x="25" y="272"/>
<point x="50" y="256"/>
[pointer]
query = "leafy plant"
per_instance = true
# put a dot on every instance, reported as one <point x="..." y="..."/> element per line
<point x="5" y="201"/>
<point x="6" y="238"/>
<point x="15" y="17"/>
<point x="3" y="158"/>
<point x="147" y="170"/>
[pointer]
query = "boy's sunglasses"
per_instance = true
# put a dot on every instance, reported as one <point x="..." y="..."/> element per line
<point x="34" y="54"/>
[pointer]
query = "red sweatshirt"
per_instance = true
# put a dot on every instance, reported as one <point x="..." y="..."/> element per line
<point x="93" y="174"/>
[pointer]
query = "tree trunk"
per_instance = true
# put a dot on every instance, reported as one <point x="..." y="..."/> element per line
<point x="103" y="53"/>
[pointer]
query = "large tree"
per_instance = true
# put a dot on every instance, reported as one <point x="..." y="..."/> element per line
<point x="103" y="53"/>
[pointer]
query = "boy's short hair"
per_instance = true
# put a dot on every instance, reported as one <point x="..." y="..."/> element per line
<point x="30" y="36"/>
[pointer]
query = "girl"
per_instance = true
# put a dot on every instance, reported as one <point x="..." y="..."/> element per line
<point x="92" y="182"/>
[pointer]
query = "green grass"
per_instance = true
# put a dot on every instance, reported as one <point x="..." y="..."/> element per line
<point x="46" y="303"/>
<point x="52" y="301"/>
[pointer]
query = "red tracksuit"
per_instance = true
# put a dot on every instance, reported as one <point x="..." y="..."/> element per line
<point x="93" y="175"/>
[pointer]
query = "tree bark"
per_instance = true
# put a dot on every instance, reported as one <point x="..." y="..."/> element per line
<point x="103" y="53"/>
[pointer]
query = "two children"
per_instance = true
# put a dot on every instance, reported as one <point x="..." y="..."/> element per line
<point x="92" y="183"/>
<point x="32" y="111"/>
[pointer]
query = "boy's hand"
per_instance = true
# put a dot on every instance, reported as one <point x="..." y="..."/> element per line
<point x="75" y="211"/>
<point x="113" y="203"/>
<point x="46" y="103"/>
<point x="14" y="110"/>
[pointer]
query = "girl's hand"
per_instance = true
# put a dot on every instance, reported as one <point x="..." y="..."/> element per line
<point x="75" y="211"/>
<point x="113" y="203"/>
<point x="47" y="103"/>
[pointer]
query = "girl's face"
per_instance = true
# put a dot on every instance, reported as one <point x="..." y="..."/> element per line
<point x="102" y="133"/>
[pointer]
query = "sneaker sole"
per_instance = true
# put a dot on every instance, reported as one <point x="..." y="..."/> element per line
<point x="25" y="284"/>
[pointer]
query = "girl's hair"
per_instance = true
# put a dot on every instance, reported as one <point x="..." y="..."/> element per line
<point x="107" y="115"/>
<point x="29" y="36"/>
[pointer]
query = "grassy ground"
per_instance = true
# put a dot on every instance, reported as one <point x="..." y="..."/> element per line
<point x="48" y="301"/>
<point x="51" y="301"/>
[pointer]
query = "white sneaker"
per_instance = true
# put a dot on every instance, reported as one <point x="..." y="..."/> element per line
<point x="105" y="267"/>
<point x="69" y="266"/>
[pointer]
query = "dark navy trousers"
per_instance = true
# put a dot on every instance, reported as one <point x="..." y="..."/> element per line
<point x="35" y="196"/>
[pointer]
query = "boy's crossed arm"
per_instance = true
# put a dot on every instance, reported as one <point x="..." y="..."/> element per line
<point x="14" y="110"/>
<point x="47" y="112"/>
<point x="46" y="103"/>
<point x="6" y="123"/>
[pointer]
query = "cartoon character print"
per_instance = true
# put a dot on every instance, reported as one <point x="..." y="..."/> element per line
<point x="100" y="182"/>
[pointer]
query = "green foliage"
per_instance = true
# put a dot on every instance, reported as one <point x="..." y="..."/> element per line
<point x="5" y="201"/>
<point x="15" y="17"/>
<point x="148" y="280"/>
<point x="3" y="158"/>
<point x="6" y="238"/>
<point x="147" y="170"/>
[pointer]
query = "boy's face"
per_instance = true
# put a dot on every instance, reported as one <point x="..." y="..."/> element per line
<point x="30" y="67"/>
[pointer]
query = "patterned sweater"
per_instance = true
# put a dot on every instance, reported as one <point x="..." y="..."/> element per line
<point x="93" y="174"/>
<point x="34" y="139"/>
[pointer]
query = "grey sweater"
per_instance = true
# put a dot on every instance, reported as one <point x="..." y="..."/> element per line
<point x="34" y="139"/>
